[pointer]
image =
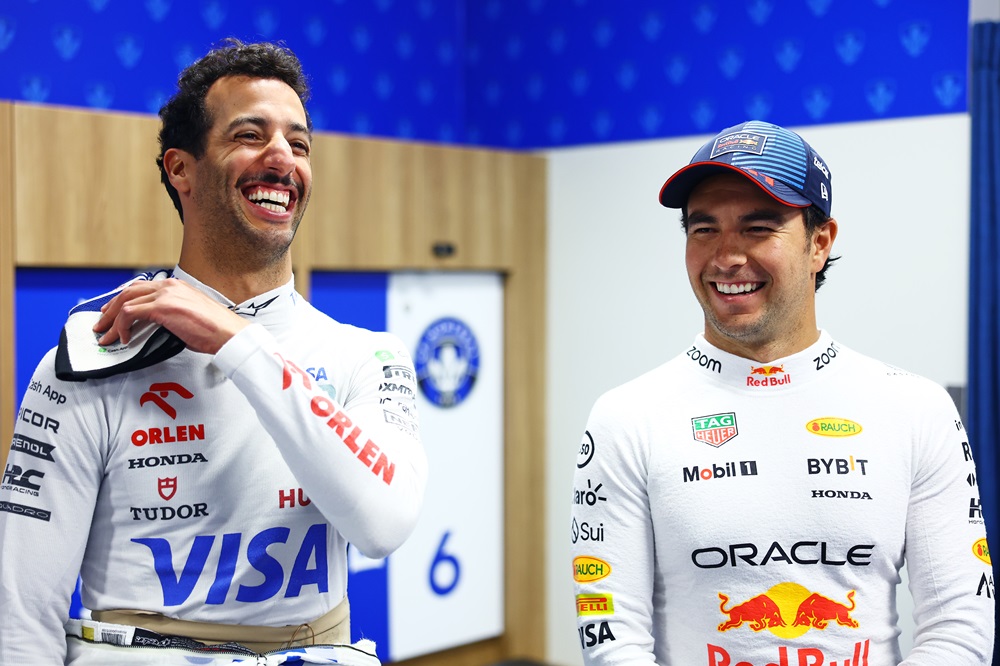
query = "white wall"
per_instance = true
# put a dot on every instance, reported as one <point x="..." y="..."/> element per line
<point x="619" y="302"/>
<point x="984" y="10"/>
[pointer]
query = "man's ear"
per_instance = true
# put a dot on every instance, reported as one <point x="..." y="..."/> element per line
<point x="178" y="164"/>
<point x="822" y="245"/>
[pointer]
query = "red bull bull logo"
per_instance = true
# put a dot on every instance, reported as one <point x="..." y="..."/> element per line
<point x="786" y="602"/>
<point x="832" y="426"/>
<point x="981" y="549"/>
<point x="714" y="429"/>
<point x="769" y="375"/>
<point x="760" y="612"/>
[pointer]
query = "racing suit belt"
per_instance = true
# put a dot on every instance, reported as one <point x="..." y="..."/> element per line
<point x="334" y="628"/>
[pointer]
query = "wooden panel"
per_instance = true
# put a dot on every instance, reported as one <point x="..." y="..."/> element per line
<point x="88" y="192"/>
<point x="469" y="203"/>
<point x="483" y="653"/>
<point x="7" y="387"/>
<point x="366" y="205"/>
<point x="524" y="421"/>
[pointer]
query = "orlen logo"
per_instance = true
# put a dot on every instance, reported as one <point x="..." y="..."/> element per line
<point x="982" y="550"/>
<point x="595" y="604"/>
<point x="832" y="426"/>
<point x="788" y="610"/>
<point x="157" y="392"/>
<point x="587" y="569"/>
<point x="157" y="395"/>
<point x="770" y="375"/>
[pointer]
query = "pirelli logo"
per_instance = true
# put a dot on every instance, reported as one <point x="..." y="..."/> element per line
<point x="595" y="604"/>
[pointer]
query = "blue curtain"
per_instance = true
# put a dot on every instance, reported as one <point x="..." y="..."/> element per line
<point x="983" y="419"/>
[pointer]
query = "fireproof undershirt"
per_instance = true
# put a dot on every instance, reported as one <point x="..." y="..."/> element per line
<point x="732" y="513"/>
<point x="212" y="488"/>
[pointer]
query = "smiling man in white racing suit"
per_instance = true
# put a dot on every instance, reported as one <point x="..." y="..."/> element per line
<point x="752" y="501"/>
<point x="206" y="483"/>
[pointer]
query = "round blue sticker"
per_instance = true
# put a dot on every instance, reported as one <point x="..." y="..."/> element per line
<point x="447" y="362"/>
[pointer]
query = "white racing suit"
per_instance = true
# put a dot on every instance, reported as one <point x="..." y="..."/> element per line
<point x="734" y="513"/>
<point x="207" y="488"/>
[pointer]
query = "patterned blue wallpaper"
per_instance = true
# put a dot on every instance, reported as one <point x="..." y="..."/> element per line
<point x="516" y="73"/>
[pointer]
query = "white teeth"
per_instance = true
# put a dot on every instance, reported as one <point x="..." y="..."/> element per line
<point x="271" y="199"/>
<point x="736" y="288"/>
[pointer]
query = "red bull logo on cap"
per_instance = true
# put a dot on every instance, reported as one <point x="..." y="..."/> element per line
<point x="833" y="426"/>
<point x="788" y="610"/>
<point x="714" y="429"/>
<point x="981" y="549"/>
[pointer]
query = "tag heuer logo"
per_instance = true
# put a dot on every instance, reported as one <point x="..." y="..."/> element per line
<point x="716" y="429"/>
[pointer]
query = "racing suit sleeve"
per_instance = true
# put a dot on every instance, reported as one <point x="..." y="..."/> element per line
<point x="50" y="485"/>
<point x="952" y="587"/>
<point x="613" y="569"/>
<point x="360" y="461"/>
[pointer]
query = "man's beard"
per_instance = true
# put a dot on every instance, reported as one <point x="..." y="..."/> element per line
<point x="232" y="241"/>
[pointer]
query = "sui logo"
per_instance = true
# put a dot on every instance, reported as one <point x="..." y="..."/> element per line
<point x="447" y="362"/>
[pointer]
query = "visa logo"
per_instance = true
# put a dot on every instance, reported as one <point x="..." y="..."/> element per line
<point x="234" y="549"/>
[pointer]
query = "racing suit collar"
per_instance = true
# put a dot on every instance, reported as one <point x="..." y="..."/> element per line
<point x="270" y="308"/>
<point x="781" y="374"/>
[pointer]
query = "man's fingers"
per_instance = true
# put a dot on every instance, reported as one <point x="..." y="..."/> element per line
<point x="122" y="313"/>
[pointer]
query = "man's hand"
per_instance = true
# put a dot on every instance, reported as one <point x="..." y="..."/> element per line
<point x="201" y="323"/>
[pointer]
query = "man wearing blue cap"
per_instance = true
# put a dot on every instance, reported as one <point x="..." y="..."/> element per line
<point x="759" y="493"/>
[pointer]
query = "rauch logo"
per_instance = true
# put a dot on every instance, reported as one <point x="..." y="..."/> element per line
<point x="982" y="550"/>
<point x="587" y="569"/>
<point x="832" y="426"/>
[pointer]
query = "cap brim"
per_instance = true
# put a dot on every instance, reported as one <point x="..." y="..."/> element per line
<point x="677" y="189"/>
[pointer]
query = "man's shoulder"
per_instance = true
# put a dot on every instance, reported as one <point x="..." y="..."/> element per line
<point x="888" y="381"/>
<point x="660" y="384"/>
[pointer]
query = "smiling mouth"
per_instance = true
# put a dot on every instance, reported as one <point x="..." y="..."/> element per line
<point x="276" y="201"/>
<point x="730" y="288"/>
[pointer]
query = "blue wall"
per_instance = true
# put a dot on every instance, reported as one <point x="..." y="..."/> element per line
<point x="516" y="73"/>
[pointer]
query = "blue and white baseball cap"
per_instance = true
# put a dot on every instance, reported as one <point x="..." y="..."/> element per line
<point x="778" y="160"/>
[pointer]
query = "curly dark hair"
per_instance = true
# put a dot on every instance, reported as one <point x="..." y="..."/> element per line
<point x="185" y="120"/>
<point x="813" y="217"/>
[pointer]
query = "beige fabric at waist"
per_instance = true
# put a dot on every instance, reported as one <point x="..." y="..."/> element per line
<point x="334" y="628"/>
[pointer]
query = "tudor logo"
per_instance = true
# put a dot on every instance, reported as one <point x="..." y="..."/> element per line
<point x="167" y="487"/>
<point x="160" y="390"/>
<point x="833" y="426"/>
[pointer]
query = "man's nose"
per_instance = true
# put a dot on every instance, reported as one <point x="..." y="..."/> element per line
<point x="729" y="251"/>
<point x="279" y="156"/>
